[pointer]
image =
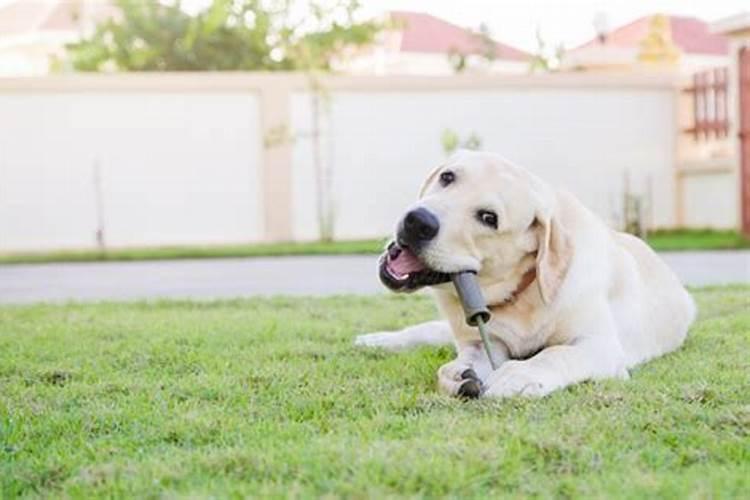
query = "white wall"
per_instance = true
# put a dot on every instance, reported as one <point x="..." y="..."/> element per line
<point x="711" y="200"/>
<point x="177" y="168"/>
<point x="382" y="144"/>
<point x="182" y="155"/>
<point x="395" y="62"/>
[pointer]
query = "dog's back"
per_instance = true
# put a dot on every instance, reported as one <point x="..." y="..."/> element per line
<point x="654" y="310"/>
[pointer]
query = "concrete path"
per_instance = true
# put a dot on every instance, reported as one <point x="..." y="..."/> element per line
<point x="224" y="278"/>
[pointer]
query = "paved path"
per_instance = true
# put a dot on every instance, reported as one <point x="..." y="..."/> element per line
<point x="223" y="278"/>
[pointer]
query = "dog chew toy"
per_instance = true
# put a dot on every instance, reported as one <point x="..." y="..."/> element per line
<point x="475" y="307"/>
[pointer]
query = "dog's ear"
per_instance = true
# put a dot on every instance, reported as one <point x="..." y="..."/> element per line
<point x="553" y="257"/>
<point x="429" y="180"/>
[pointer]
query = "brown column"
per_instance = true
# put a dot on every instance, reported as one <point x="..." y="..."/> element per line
<point x="744" y="136"/>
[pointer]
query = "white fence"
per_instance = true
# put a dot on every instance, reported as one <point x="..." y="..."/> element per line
<point x="211" y="159"/>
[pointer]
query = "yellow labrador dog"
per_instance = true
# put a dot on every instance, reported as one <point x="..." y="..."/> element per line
<point x="571" y="299"/>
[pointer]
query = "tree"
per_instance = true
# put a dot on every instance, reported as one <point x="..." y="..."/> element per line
<point x="542" y="61"/>
<point x="486" y="49"/>
<point x="451" y="142"/>
<point x="487" y="42"/>
<point x="227" y="35"/>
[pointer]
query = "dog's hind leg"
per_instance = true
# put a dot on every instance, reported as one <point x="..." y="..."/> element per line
<point x="430" y="333"/>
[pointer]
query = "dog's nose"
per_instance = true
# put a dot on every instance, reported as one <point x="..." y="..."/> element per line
<point x="418" y="227"/>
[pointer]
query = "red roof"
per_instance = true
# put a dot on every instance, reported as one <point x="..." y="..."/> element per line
<point x="691" y="35"/>
<point x="24" y="16"/>
<point x="425" y="33"/>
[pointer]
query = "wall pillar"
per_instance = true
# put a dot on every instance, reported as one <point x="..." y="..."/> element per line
<point x="683" y="144"/>
<point x="276" y="162"/>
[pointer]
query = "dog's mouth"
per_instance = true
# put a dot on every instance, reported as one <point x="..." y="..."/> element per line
<point x="402" y="271"/>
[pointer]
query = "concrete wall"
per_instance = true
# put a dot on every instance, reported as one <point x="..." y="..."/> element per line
<point x="710" y="200"/>
<point x="209" y="159"/>
<point x="175" y="168"/>
<point x="394" y="62"/>
<point x="380" y="144"/>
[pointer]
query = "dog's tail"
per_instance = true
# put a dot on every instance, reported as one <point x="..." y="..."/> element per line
<point x="435" y="333"/>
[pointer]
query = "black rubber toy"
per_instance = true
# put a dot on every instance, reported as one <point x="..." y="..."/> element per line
<point x="475" y="307"/>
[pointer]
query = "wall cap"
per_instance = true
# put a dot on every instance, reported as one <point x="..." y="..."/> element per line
<point x="257" y="81"/>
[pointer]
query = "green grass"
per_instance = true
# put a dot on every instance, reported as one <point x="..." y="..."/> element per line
<point x="661" y="240"/>
<point x="199" y="252"/>
<point x="697" y="239"/>
<point x="270" y="398"/>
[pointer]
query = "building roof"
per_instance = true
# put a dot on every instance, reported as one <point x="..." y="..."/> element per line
<point x="27" y="16"/>
<point x="429" y="34"/>
<point x="732" y="25"/>
<point x="690" y="34"/>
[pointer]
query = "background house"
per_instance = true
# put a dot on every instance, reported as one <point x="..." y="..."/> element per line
<point x="682" y="43"/>
<point x="421" y="44"/>
<point x="33" y="33"/>
<point x="737" y="29"/>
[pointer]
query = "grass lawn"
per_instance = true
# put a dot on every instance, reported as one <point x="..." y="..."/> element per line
<point x="269" y="398"/>
<point x="697" y="239"/>
<point x="661" y="240"/>
<point x="198" y="252"/>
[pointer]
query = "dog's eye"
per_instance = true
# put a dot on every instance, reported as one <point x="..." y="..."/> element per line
<point x="488" y="218"/>
<point x="447" y="177"/>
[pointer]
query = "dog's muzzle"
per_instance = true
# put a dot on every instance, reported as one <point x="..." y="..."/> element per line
<point x="402" y="271"/>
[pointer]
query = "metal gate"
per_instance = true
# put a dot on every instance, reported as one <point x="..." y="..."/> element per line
<point x="744" y="133"/>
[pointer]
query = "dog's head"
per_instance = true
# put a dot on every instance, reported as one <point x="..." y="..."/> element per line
<point x="479" y="213"/>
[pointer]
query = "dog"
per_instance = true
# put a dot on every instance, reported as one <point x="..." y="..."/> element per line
<point x="571" y="299"/>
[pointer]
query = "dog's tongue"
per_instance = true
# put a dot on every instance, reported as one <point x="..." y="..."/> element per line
<point x="403" y="262"/>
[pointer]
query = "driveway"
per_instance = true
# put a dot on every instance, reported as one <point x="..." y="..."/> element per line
<point x="247" y="277"/>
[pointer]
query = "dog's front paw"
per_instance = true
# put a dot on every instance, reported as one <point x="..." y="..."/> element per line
<point x="517" y="378"/>
<point x="457" y="378"/>
<point x="383" y="340"/>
